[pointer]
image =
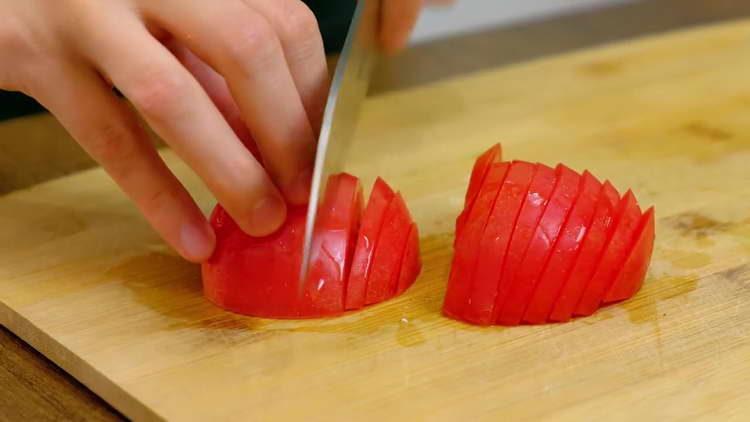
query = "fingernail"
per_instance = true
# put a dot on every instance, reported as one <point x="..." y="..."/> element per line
<point x="267" y="216"/>
<point x="299" y="193"/>
<point x="197" y="241"/>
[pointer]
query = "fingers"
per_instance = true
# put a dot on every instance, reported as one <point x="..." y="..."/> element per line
<point x="398" y="18"/>
<point x="243" y="46"/>
<point x="302" y="42"/>
<point x="177" y="108"/>
<point x="110" y="133"/>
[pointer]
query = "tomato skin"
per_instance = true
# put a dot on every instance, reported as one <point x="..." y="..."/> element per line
<point x="537" y="197"/>
<point x="614" y="256"/>
<point x="372" y="221"/>
<point x="464" y="258"/>
<point x="541" y="245"/>
<point x="255" y="276"/>
<point x="389" y="251"/>
<point x="493" y="245"/>
<point x="258" y="276"/>
<point x="633" y="272"/>
<point x="591" y="250"/>
<point x="563" y="255"/>
<point x="478" y="175"/>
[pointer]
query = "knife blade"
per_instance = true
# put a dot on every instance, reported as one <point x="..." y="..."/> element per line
<point x="348" y="90"/>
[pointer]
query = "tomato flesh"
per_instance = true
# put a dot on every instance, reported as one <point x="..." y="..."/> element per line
<point x="563" y="255"/>
<point x="542" y="242"/>
<point x="492" y="247"/>
<point x="411" y="265"/>
<point x="372" y="220"/>
<point x="478" y="175"/>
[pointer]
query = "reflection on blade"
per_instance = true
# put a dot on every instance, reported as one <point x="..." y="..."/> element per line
<point x="349" y="88"/>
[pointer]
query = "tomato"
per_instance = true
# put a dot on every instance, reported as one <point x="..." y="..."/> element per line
<point x="372" y="220"/>
<point x="534" y="203"/>
<point x="492" y="247"/>
<point x="258" y="276"/>
<point x="478" y="175"/>
<point x="465" y="255"/>
<point x="389" y="251"/>
<point x="633" y="272"/>
<point x="563" y="254"/>
<point x="411" y="265"/>
<point x="615" y="254"/>
<point x="541" y="245"/>
<point x="591" y="250"/>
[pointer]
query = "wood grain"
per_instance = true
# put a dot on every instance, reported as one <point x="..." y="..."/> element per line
<point x="85" y="281"/>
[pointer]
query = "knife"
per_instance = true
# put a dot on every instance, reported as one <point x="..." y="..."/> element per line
<point x="348" y="90"/>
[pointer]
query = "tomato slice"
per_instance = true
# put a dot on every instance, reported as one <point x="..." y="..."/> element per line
<point x="478" y="175"/>
<point x="615" y="253"/>
<point x="331" y="252"/>
<point x="411" y="265"/>
<point x="534" y="203"/>
<point x="465" y="255"/>
<point x="631" y="276"/>
<point x="255" y="275"/>
<point x="563" y="256"/>
<point x="493" y="245"/>
<point x="389" y="251"/>
<point x="372" y="220"/>
<point x="540" y="246"/>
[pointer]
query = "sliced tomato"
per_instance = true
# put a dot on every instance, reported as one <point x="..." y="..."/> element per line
<point x="534" y="203"/>
<point x="563" y="256"/>
<point x="411" y="265"/>
<point x="464" y="257"/>
<point x="372" y="220"/>
<point x="389" y="251"/>
<point x="615" y="253"/>
<point x="492" y="247"/>
<point x="542" y="242"/>
<point x="592" y="248"/>
<point x="332" y="247"/>
<point x="255" y="276"/>
<point x="632" y="273"/>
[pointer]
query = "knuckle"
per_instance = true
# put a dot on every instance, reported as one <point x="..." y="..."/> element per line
<point x="158" y="93"/>
<point x="299" y="25"/>
<point x="248" y="43"/>
<point x="113" y="144"/>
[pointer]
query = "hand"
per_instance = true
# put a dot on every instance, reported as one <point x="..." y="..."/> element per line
<point x="226" y="84"/>
<point x="204" y="75"/>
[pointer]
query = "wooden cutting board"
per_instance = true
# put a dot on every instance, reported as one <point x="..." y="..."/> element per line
<point x="84" y="280"/>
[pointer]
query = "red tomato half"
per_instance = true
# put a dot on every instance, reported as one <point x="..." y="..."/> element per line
<point x="464" y="259"/>
<point x="563" y="255"/>
<point x="589" y="255"/>
<point x="372" y="221"/>
<point x="258" y="276"/>
<point x="614" y="256"/>
<point x="541" y="245"/>
<point x="631" y="275"/>
<point x="389" y="252"/>
<point x="493" y="245"/>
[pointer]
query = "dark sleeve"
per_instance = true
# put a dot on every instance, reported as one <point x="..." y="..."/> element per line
<point x="333" y="17"/>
